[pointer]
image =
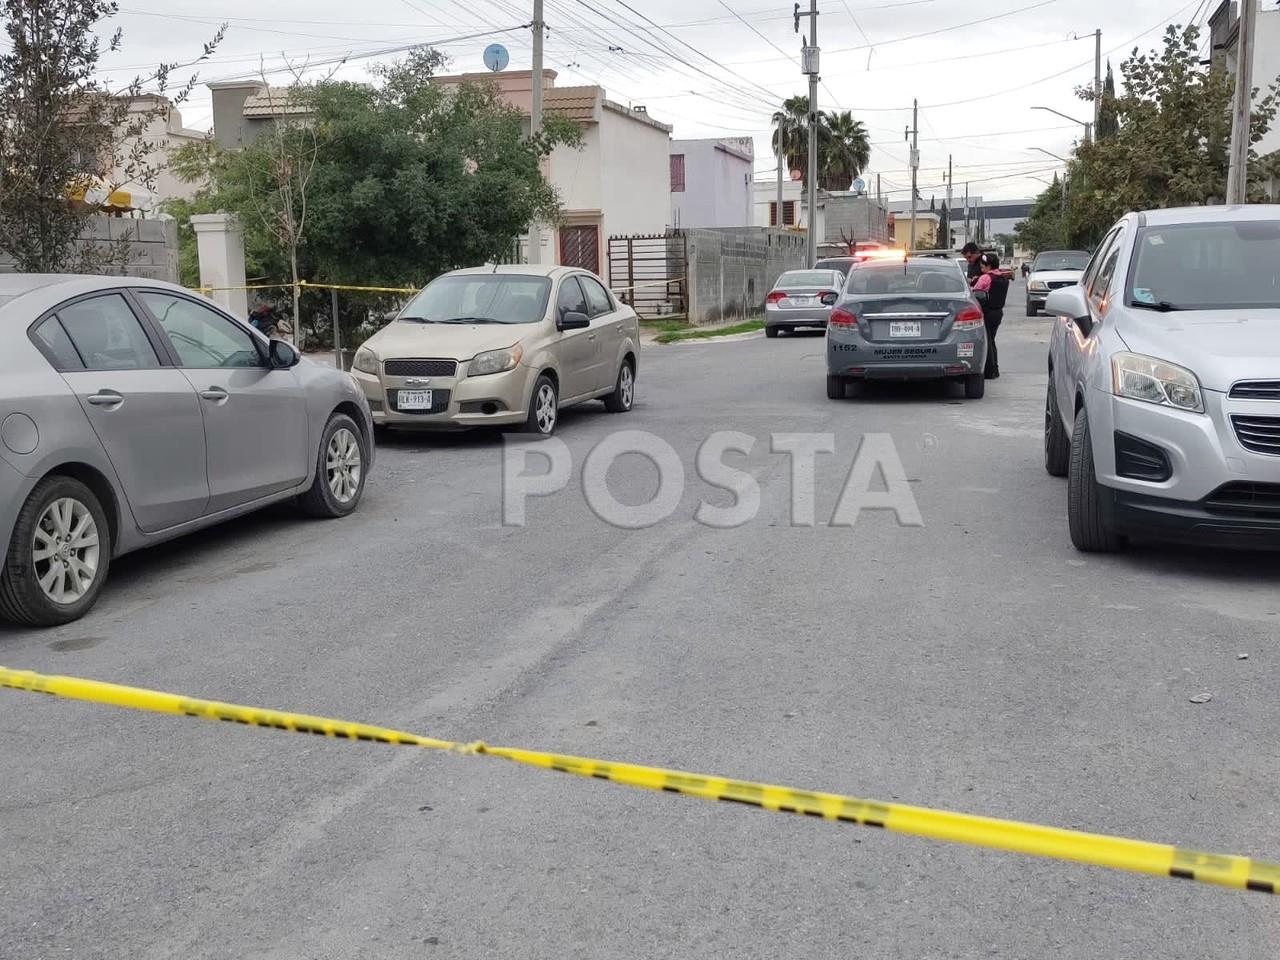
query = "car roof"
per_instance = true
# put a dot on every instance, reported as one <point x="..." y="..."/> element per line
<point x="30" y="294"/>
<point x="525" y="269"/>
<point x="1212" y="214"/>
<point x="1048" y="253"/>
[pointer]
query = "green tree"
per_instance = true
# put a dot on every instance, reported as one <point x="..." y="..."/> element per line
<point x="62" y="129"/>
<point x="1107" y="123"/>
<point x="791" y="134"/>
<point x="1042" y="230"/>
<point x="847" y="151"/>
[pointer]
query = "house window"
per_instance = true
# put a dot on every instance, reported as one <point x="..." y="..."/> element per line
<point x="677" y="173"/>
<point x="788" y="213"/>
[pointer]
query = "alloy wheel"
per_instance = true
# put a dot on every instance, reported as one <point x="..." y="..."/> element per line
<point x="627" y="383"/>
<point x="64" y="550"/>
<point x="343" y="465"/>
<point x="546" y="408"/>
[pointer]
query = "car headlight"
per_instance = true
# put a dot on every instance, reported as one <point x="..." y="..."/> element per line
<point x="1037" y="285"/>
<point x="494" y="361"/>
<point x="365" y="361"/>
<point x="1155" y="381"/>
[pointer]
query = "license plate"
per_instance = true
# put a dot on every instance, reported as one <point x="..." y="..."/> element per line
<point x="799" y="301"/>
<point x="965" y="350"/>
<point x="904" y="328"/>
<point x="413" y="400"/>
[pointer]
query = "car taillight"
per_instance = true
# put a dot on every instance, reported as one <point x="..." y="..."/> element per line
<point x="842" y="318"/>
<point x="775" y="296"/>
<point x="970" y="318"/>
<point x="828" y="297"/>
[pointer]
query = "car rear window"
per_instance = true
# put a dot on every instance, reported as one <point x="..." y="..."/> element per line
<point x="492" y="297"/>
<point x="1208" y="266"/>
<point x="806" y="278"/>
<point x="875" y="279"/>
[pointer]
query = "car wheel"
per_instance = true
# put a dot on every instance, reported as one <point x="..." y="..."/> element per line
<point x="58" y="556"/>
<point x="771" y="332"/>
<point x="544" y="408"/>
<point x="624" y="390"/>
<point x="1090" y="532"/>
<point x="340" y="473"/>
<point x="975" y="386"/>
<point x="836" y="387"/>
<point x="1057" y="445"/>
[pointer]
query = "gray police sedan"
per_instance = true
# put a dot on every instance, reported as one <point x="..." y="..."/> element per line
<point x="907" y="319"/>
<point x="131" y="412"/>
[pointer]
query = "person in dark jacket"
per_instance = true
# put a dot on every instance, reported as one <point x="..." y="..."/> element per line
<point x="972" y="254"/>
<point x="992" y="289"/>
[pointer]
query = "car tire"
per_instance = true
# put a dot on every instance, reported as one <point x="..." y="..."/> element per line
<point x="836" y="387"/>
<point x="975" y="386"/>
<point x="1090" y="532"/>
<point x="544" y="408"/>
<point x="59" y="508"/>
<point x="624" y="390"/>
<point x="771" y="332"/>
<point x="1057" y="445"/>
<point x="340" y="470"/>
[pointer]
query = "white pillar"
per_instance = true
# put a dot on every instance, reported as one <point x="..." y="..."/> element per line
<point x="220" y="245"/>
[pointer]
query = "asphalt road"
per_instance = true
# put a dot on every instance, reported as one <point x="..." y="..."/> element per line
<point x="975" y="663"/>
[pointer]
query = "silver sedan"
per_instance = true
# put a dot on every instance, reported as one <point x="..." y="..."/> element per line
<point x="131" y="412"/>
<point x="801" y="298"/>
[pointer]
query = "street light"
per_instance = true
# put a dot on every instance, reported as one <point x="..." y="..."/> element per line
<point x="1088" y="127"/>
<point x="1054" y="155"/>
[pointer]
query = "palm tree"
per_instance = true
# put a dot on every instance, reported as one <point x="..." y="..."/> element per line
<point x="791" y="126"/>
<point x="846" y="150"/>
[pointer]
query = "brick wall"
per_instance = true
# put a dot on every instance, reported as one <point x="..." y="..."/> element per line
<point x="153" y="246"/>
<point x="731" y="269"/>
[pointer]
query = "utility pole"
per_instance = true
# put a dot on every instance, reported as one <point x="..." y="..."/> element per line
<point x="778" y="216"/>
<point x="913" y="135"/>
<point x="967" y="238"/>
<point x="1066" y="238"/>
<point x="1097" y="83"/>
<point x="809" y="66"/>
<point x="535" y="117"/>
<point x="1241" y="108"/>
<point x="947" y="239"/>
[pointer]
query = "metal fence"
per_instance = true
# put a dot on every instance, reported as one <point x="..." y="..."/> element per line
<point x="649" y="272"/>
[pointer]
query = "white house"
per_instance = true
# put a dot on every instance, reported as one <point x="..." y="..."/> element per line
<point x="166" y="132"/>
<point x="617" y="183"/>
<point x="711" y="182"/>
<point x="1224" y="32"/>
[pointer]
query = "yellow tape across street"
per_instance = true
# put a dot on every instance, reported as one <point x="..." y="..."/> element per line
<point x="1119" y="853"/>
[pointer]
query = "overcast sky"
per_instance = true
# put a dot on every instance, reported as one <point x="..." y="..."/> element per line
<point x="976" y="68"/>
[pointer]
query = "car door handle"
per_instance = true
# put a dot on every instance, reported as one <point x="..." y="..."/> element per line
<point x="216" y="394"/>
<point x="591" y="336"/>
<point x="106" y="398"/>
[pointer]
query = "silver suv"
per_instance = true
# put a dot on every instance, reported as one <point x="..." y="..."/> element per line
<point x="1163" y="403"/>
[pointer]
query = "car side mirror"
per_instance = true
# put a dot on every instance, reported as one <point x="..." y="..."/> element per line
<point x="282" y="355"/>
<point x="573" y="321"/>
<point x="1070" y="302"/>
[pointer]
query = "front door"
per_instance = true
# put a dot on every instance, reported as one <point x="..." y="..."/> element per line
<point x="576" y="349"/>
<point x="255" y="417"/>
<point x="580" y="247"/>
<point x="608" y="323"/>
<point x="146" y="414"/>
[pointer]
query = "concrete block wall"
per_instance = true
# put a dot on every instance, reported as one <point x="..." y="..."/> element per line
<point x="153" y="246"/>
<point x="731" y="269"/>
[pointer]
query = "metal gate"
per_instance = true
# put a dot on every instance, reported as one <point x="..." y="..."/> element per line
<point x="580" y="247"/>
<point x="650" y="272"/>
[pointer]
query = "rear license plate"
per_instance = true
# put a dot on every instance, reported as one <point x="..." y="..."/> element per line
<point x="413" y="400"/>
<point x="799" y="301"/>
<point x="904" y="328"/>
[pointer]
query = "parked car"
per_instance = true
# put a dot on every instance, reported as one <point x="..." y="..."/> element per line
<point x="131" y="412"/>
<point x="906" y="320"/>
<point x="505" y="346"/>
<point x="1051" y="270"/>
<point x="1163" y="403"/>
<point x="801" y="298"/>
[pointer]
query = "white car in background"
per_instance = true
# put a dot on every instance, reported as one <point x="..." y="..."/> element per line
<point x="1051" y="270"/>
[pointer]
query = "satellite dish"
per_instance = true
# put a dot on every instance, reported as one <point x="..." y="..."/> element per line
<point x="496" y="57"/>
<point x="859" y="185"/>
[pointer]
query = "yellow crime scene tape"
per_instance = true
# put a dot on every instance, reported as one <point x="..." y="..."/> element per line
<point x="1119" y="853"/>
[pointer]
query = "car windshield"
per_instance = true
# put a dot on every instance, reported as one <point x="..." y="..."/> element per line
<point x="1207" y="266"/>
<point x="874" y="279"/>
<point x="480" y="298"/>
<point x="1061" y="260"/>
<point x="806" y="278"/>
